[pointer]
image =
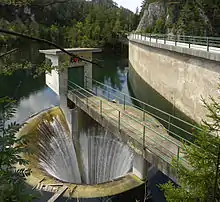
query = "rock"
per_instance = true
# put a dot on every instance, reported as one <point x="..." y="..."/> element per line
<point x="153" y="12"/>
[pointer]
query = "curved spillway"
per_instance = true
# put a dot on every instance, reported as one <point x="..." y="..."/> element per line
<point x="88" y="162"/>
<point x="90" y="159"/>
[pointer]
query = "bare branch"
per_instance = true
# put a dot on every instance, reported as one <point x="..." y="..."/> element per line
<point x="9" y="52"/>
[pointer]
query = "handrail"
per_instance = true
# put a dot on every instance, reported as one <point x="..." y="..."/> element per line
<point x="87" y="93"/>
<point x="162" y="157"/>
<point x="148" y="105"/>
<point x="131" y="118"/>
<point x="171" y="132"/>
<point x="146" y="111"/>
<point x="178" y="146"/>
<point x="190" y="41"/>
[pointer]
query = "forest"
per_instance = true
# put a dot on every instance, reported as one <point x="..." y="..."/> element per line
<point x="72" y="23"/>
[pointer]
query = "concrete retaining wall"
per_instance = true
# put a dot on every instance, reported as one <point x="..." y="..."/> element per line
<point x="181" y="79"/>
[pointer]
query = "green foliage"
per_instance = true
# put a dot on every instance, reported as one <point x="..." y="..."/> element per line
<point x="75" y="23"/>
<point x="202" y="181"/>
<point x="16" y="2"/>
<point x="148" y="30"/>
<point x="160" y="26"/>
<point x="190" y="21"/>
<point x="12" y="187"/>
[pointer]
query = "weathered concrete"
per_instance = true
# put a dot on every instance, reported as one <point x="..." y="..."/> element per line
<point x="182" y="79"/>
<point x="156" y="150"/>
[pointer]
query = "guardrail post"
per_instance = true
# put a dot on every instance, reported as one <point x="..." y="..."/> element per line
<point x="144" y="129"/>
<point x="156" y="38"/>
<point x="86" y="81"/>
<point x="96" y="90"/>
<point x="178" y="156"/>
<point x="169" y="124"/>
<point x="176" y="40"/>
<point x="189" y="43"/>
<point x="164" y="39"/>
<point x="143" y="112"/>
<point x="108" y="94"/>
<point x="124" y="102"/>
<point x="101" y="107"/>
<point x="150" y="37"/>
<point x="208" y="44"/>
<point x="119" y="120"/>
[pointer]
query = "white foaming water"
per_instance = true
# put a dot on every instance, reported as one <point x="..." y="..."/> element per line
<point x="90" y="159"/>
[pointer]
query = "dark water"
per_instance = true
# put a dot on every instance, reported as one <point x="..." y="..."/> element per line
<point x="33" y="95"/>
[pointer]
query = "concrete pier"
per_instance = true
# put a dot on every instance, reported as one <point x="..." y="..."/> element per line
<point x="57" y="79"/>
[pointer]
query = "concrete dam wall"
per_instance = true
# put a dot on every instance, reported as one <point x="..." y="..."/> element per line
<point x="179" y="78"/>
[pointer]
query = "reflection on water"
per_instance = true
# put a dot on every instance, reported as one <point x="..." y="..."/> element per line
<point x="35" y="102"/>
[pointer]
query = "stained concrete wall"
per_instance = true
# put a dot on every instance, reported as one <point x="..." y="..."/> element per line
<point x="182" y="79"/>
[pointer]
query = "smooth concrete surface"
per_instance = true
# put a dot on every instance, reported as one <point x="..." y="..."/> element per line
<point x="140" y="167"/>
<point x="180" y="78"/>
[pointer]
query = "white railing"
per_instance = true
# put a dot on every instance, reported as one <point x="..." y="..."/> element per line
<point x="208" y="44"/>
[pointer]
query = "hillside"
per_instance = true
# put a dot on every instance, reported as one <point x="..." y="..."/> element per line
<point x="195" y="17"/>
<point x="67" y="22"/>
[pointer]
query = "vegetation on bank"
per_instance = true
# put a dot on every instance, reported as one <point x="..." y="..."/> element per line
<point x="202" y="181"/>
<point x="72" y="23"/>
<point x="12" y="187"/>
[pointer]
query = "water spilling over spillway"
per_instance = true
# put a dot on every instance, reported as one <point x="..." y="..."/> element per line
<point x="90" y="157"/>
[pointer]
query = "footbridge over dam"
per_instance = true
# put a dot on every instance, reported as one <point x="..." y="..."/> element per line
<point x="154" y="139"/>
<point x="182" y="69"/>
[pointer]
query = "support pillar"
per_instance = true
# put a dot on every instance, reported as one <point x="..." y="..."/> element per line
<point x="140" y="167"/>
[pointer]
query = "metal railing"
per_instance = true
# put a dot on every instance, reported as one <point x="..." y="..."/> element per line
<point x="176" y="127"/>
<point x="160" y="150"/>
<point x="209" y="44"/>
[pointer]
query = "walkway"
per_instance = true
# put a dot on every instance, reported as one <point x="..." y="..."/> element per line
<point x="142" y="132"/>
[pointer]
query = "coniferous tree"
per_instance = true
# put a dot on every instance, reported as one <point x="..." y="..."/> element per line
<point x="202" y="181"/>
